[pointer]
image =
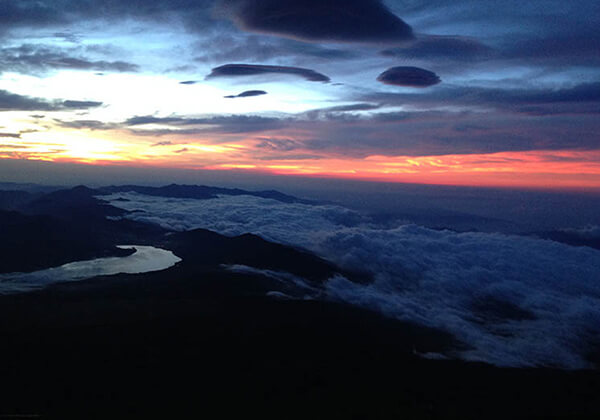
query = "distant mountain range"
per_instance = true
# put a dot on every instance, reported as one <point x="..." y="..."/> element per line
<point x="42" y="228"/>
<point x="35" y="199"/>
<point x="45" y="230"/>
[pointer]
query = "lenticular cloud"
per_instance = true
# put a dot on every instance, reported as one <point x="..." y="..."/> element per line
<point x="515" y="301"/>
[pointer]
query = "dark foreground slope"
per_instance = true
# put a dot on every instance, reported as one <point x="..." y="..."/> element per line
<point x="200" y="341"/>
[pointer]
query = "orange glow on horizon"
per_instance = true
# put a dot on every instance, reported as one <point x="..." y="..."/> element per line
<point x="541" y="169"/>
<point x="535" y="169"/>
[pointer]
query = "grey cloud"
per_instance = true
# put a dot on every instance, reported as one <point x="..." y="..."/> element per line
<point x="33" y="59"/>
<point x="10" y="135"/>
<point x="333" y="112"/>
<point x="409" y="76"/>
<point x="148" y="119"/>
<point x="162" y="143"/>
<point x="247" y="93"/>
<point x="71" y="104"/>
<point x="13" y="102"/>
<point x="238" y="70"/>
<point x="315" y="20"/>
<point x="222" y="124"/>
<point x="188" y="82"/>
<point x="87" y="124"/>
<point x="281" y="145"/>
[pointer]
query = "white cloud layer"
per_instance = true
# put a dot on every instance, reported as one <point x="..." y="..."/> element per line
<point x="517" y="301"/>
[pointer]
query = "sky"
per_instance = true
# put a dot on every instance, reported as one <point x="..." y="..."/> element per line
<point x="469" y="92"/>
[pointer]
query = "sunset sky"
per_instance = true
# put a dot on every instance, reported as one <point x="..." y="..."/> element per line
<point x="468" y="92"/>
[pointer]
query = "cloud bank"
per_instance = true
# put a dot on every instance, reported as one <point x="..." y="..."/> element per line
<point x="13" y="102"/>
<point x="517" y="301"/>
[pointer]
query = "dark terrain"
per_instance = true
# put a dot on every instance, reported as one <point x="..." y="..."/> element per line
<point x="197" y="339"/>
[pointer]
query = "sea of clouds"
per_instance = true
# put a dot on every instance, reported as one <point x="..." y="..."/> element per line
<point x="514" y="300"/>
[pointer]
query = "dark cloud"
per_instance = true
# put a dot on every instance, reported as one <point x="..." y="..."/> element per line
<point x="247" y="94"/>
<point x="317" y="20"/>
<point x="441" y="47"/>
<point x="188" y="82"/>
<point x="237" y="70"/>
<point x="185" y="149"/>
<point x="162" y="143"/>
<point x="32" y="59"/>
<point x="409" y="76"/>
<point x="13" y="102"/>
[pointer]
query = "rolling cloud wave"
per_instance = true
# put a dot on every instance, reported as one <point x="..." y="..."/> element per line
<point x="516" y="301"/>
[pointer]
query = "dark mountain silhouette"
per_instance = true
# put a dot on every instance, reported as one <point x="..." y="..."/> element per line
<point x="31" y="243"/>
<point x="205" y="248"/>
<point x="201" y="192"/>
<point x="12" y="200"/>
<point x="72" y="204"/>
<point x="569" y="238"/>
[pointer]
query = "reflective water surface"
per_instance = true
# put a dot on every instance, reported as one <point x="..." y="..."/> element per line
<point x="145" y="259"/>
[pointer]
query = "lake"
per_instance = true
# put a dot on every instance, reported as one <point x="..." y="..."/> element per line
<point x="143" y="260"/>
